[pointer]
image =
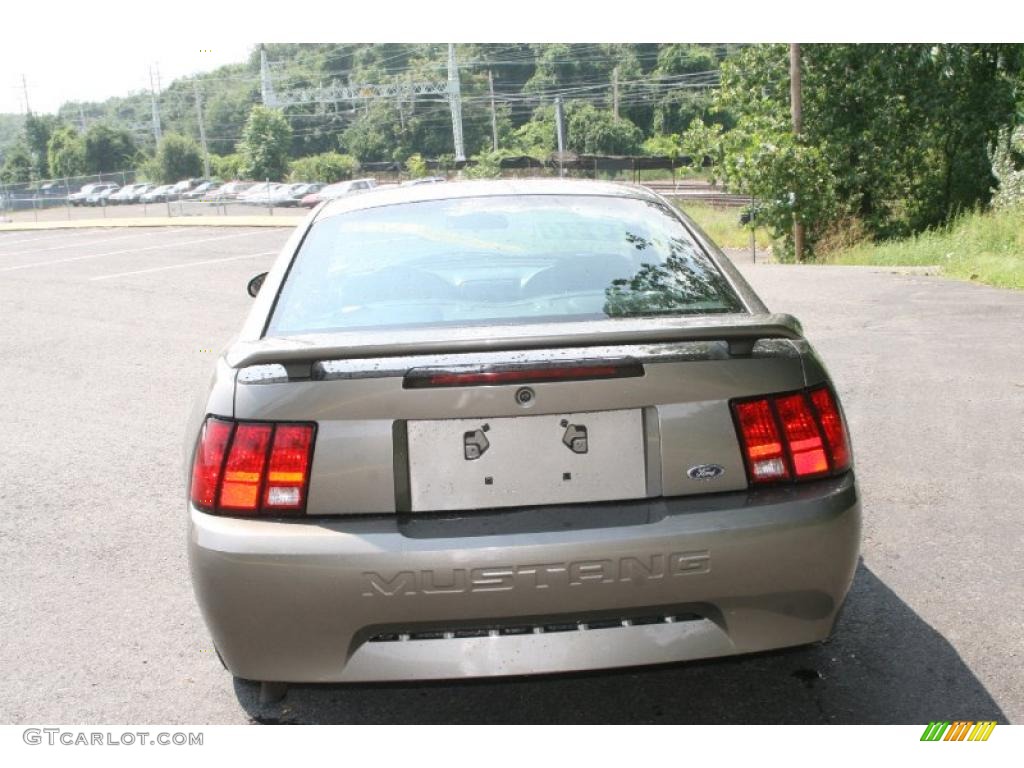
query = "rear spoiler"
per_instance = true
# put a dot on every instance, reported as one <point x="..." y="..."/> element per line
<point x="739" y="331"/>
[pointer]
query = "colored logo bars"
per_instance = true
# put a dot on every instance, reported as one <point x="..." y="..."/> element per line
<point x="960" y="730"/>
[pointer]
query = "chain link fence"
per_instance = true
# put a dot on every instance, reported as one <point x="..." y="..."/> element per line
<point x="122" y="195"/>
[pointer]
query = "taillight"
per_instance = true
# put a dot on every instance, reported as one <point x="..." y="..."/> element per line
<point x="803" y="437"/>
<point x="835" y="431"/>
<point x="761" y="442"/>
<point x="289" y="467"/>
<point x="798" y="435"/>
<point x="252" y="468"/>
<point x="208" y="461"/>
<point x="244" y="470"/>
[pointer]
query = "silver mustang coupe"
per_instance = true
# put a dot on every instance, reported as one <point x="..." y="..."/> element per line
<point x="507" y="428"/>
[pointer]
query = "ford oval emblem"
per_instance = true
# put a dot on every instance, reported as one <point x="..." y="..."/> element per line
<point x="706" y="471"/>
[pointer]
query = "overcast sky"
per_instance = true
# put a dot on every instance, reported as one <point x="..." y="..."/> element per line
<point x="86" y="70"/>
<point x="69" y="50"/>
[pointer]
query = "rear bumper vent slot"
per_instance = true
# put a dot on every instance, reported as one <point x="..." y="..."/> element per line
<point x="533" y="629"/>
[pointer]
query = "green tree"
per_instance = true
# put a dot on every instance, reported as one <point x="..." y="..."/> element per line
<point x="108" y="149"/>
<point x="265" y="144"/>
<point x="896" y="135"/>
<point x="177" y="158"/>
<point x="327" y="167"/>
<point x="677" y="107"/>
<point x="17" y="167"/>
<point x="1008" y="169"/>
<point x="38" y="130"/>
<point x="65" y="153"/>
<point x="589" y="130"/>
<point x="377" y="135"/>
<point x="596" y="131"/>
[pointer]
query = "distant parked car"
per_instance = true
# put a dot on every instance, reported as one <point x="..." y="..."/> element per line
<point x="79" y="197"/>
<point x="100" y="194"/>
<point x="297" y="194"/>
<point x="282" y="193"/>
<point x="260" y="194"/>
<point x="289" y="195"/>
<point x="423" y="180"/>
<point x="230" y="191"/>
<point x="334" y="191"/>
<point x="158" y="195"/>
<point x="53" y="189"/>
<point x="139" y="191"/>
<point x="202" y="192"/>
<point x="124" y="194"/>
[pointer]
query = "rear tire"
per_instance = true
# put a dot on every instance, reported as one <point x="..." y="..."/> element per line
<point x="272" y="692"/>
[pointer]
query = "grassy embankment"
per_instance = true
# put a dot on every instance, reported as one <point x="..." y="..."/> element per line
<point x="985" y="247"/>
<point x="723" y="225"/>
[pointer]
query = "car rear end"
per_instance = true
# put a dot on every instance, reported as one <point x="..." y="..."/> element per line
<point x="600" y="450"/>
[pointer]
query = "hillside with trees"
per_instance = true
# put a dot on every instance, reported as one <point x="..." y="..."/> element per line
<point x="897" y="138"/>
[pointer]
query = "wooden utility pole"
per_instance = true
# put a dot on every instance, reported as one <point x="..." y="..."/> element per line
<point x="796" y="105"/>
<point x="615" y="92"/>
<point x="560" y="133"/>
<point x="494" y="114"/>
<point x="202" y="128"/>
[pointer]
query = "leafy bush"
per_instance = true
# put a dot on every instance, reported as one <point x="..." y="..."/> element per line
<point x="327" y="167"/>
<point x="487" y="165"/>
<point x="178" y="157"/>
<point x="226" y="167"/>
<point x="417" y="166"/>
<point x="1009" y="192"/>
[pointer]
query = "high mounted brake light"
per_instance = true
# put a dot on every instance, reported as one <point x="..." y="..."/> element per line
<point x="793" y="436"/>
<point x="475" y="375"/>
<point x="252" y="468"/>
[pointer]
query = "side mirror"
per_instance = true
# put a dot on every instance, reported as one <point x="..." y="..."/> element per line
<point x="256" y="283"/>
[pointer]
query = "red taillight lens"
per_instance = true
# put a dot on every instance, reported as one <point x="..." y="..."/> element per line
<point x="798" y="435"/>
<point x="251" y="468"/>
<point x="802" y="436"/>
<point x="243" y="473"/>
<point x="835" y="430"/>
<point x="289" y="467"/>
<point x="208" y="461"/>
<point x="761" y="443"/>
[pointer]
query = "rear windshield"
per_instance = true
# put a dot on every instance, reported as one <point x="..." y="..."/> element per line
<point x="501" y="259"/>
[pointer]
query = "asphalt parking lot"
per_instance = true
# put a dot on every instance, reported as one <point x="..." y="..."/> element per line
<point x="175" y="209"/>
<point x="108" y="333"/>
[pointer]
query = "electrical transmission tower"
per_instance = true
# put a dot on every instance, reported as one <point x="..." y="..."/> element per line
<point x="336" y="93"/>
<point x="266" y="84"/>
<point x="154" y="94"/>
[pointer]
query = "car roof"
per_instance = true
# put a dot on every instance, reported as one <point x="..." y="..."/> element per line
<point x="418" y="193"/>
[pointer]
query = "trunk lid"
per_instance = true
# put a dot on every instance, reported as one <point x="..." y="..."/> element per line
<point x="387" y="443"/>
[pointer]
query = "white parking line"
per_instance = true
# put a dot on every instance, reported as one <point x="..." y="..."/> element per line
<point x="162" y="246"/>
<point x="51" y="236"/>
<point x="186" y="264"/>
<point x="22" y="252"/>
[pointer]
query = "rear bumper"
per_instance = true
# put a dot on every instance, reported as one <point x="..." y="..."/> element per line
<point x="664" y="580"/>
